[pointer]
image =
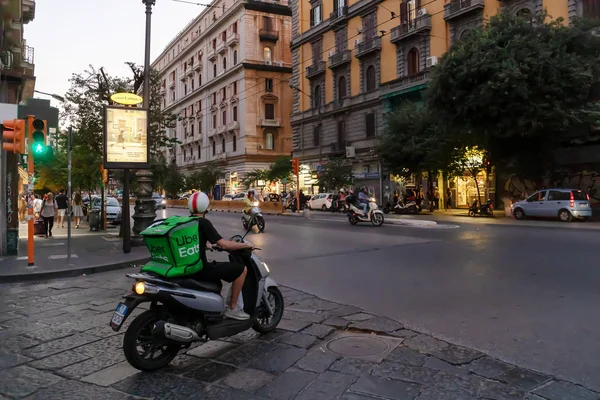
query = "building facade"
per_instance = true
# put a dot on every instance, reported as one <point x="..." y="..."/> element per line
<point x="356" y="60"/>
<point x="226" y="76"/>
<point x="17" y="77"/>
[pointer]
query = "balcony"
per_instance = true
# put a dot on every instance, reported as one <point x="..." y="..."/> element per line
<point x="317" y="68"/>
<point x="268" y="35"/>
<point x="457" y="8"/>
<point x="338" y="147"/>
<point x="183" y="75"/>
<point x="198" y="66"/>
<point x="211" y="54"/>
<point x="190" y="70"/>
<point x="222" y="129"/>
<point x="28" y="11"/>
<point x="212" y="132"/>
<point x="220" y="156"/>
<point x="221" y="47"/>
<point x="367" y="47"/>
<point x="339" y="58"/>
<point x="172" y="84"/>
<point x="233" y="125"/>
<point x="272" y="123"/>
<point x="340" y="13"/>
<point x="409" y="28"/>
<point x="163" y="91"/>
<point x="233" y="39"/>
<point x="28" y="55"/>
<point x="405" y="84"/>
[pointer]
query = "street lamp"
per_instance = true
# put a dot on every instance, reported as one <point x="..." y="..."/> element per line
<point x="54" y="96"/>
<point x="144" y="214"/>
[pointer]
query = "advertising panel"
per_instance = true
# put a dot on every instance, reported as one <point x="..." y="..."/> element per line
<point x="125" y="138"/>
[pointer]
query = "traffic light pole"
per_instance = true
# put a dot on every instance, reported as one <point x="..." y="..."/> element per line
<point x="30" y="172"/>
<point x="69" y="194"/>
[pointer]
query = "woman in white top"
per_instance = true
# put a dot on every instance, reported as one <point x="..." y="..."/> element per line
<point x="49" y="208"/>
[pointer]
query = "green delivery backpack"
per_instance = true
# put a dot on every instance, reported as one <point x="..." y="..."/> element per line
<point x="174" y="247"/>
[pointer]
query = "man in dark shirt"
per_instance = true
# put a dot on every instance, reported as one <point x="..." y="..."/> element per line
<point x="214" y="271"/>
<point x="62" y="203"/>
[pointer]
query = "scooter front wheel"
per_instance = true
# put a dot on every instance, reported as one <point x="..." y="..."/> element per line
<point x="471" y="213"/>
<point x="144" y="351"/>
<point x="377" y="219"/>
<point x="353" y="220"/>
<point x="260" y="223"/>
<point x="266" y="323"/>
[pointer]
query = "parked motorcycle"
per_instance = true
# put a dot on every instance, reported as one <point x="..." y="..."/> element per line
<point x="487" y="209"/>
<point x="355" y="214"/>
<point x="185" y="310"/>
<point x="253" y="218"/>
<point x="401" y="208"/>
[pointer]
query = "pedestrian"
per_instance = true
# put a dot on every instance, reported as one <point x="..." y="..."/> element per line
<point x="49" y="207"/>
<point x="436" y="198"/>
<point x="448" y="199"/>
<point x="23" y="209"/>
<point x="37" y="205"/>
<point x="63" y="204"/>
<point x="77" y="208"/>
<point x="396" y="198"/>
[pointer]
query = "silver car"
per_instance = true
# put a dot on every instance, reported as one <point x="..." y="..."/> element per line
<point x="565" y="204"/>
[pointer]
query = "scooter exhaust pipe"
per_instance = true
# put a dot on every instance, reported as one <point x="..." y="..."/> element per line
<point x="178" y="333"/>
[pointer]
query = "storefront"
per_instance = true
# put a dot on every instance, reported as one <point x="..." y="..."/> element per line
<point x="466" y="189"/>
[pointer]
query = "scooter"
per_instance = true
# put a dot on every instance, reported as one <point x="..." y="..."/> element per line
<point x="185" y="310"/>
<point x="355" y="214"/>
<point x="487" y="209"/>
<point x="400" y="208"/>
<point x="255" y="217"/>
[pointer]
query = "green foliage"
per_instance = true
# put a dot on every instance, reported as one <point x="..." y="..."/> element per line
<point x="251" y="178"/>
<point x="209" y="175"/>
<point x="281" y="169"/>
<point x="174" y="181"/>
<point x="336" y="173"/>
<point x="192" y="181"/>
<point x="516" y="88"/>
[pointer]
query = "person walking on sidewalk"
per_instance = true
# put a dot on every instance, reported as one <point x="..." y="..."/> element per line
<point x="77" y="208"/>
<point x="49" y="207"/>
<point x="63" y="204"/>
<point x="448" y="199"/>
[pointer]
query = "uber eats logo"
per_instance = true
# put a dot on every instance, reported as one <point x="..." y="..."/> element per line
<point x="158" y="252"/>
<point x="187" y="245"/>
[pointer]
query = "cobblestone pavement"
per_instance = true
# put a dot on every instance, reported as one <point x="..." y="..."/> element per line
<point x="55" y="343"/>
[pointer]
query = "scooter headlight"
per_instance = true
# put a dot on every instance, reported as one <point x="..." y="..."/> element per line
<point x="267" y="267"/>
<point x="145" y="288"/>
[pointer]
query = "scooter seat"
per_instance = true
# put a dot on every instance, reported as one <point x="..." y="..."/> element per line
<point x="205" y="286"/>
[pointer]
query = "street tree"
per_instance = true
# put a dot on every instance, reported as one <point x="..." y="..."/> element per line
<point x="192" y="181"/>
<point x="335" y="174"/>
<point x="251" y="178"/>
<point x="280" y="170"/>
<point x="517" y="87"/>
<point x="174" y="181"/>
<point x="209" y="175"/>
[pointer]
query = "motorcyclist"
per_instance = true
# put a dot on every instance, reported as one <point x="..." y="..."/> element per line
<point x="363" y="199"/>
<point x="250" y="201"/>
<point x="216" y="271"/>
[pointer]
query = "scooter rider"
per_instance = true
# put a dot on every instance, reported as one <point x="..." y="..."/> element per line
<point x="249" y="201"/>
<point x="363" y="199"/>
<point x="215" y="271"/>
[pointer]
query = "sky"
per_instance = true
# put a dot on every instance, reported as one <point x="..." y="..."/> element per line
<point x="69" y="35"/>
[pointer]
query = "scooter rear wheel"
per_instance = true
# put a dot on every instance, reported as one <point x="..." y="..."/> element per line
<point x="266" y="323"/>
<point x="260" y="223"/>
<point x="139" y="335"/>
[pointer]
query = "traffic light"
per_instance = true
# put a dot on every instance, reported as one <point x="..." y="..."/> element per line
<point x="13" y="134"/>
<point x="295" y="165"/>
<point x="38" y="137"/>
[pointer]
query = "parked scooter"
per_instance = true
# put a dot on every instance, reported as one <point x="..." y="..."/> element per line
<point x="185" y="310"/>
<point x="355" y="214"/>
<point x="253" y="218"/>
<point x="486" y="210"/>
<point x="401" y="208"/>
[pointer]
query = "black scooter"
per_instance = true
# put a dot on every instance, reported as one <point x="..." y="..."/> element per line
<point x="486" y="210"/>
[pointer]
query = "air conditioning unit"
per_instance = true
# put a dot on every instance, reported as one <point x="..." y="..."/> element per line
<point x="331" y="53"/>
<point x="280" y="63"/>
<point x="350" y="152"/>
<point x="431" y="61"/>
<point x="268" y="62"/>
<point x="356" y="42"/>
<point x="259" y="147"/>
<point x="421" y="12"/>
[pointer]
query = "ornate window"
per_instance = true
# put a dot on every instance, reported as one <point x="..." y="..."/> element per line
<point x="267" y="52"/>
<point x="341" y="89"/>
<point x="269" y="141"/>
<point x="371" y="78"/>
<point x="413" y="61"/>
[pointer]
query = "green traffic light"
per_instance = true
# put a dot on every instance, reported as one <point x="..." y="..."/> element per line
<point x="38" y="148"/>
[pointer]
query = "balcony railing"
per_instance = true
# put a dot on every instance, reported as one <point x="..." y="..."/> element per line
<point x="232" y="39"/>
<point x="221" y="47"/>
<point x="172" y="84"/>
<point x="198" y="66"/>
<point x="222" y="129"/>
<point x="268" y="35"/>
<point x="368" y="46"/>
<point x="339" y="58"/>
<point x="211" y="54"/>
<point x="339" y="13"/>
<point x="410" y="28"/>
<point x="275" y="123"/>
<point x="28" y="54"/>
<point x="28" y="11"/>
<point x="406" y="82"/>
<point x="220" y="156"/>
<point x="457" y="8"/>
<point x="317" y="68"/>
<point x="233" y="125"/>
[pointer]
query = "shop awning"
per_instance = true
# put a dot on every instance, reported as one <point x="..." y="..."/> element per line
<point x="405" y="91"/>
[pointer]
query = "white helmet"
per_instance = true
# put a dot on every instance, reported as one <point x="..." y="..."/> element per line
<point x="198" y="203"/>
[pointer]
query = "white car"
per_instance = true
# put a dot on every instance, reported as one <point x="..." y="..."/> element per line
<point x="113" y="209"/>
<point x="321" y="201"/>
<point x="161" y="203"/>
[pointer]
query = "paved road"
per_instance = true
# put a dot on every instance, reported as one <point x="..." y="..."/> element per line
<point x="525" y="294"/>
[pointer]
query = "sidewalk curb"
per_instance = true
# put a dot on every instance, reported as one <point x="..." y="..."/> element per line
<point x="69" y="273"/>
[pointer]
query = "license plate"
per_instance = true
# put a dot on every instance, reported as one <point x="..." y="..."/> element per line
<point x="583" y="205"/>
<point x="118" y="316"/>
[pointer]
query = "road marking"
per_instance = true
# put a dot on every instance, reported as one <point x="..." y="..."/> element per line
<point x="61" y="256"/>
<point x="22" y="258"/>
<point x="111" y="239"/>
<point x="395" y="224"/>
<point x="53" y="244"/>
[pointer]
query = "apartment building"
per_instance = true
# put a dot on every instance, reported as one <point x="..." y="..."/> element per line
<point x="17" y="78"/>
<point x="355" y="60"/>
<point x="226" y="76"/>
